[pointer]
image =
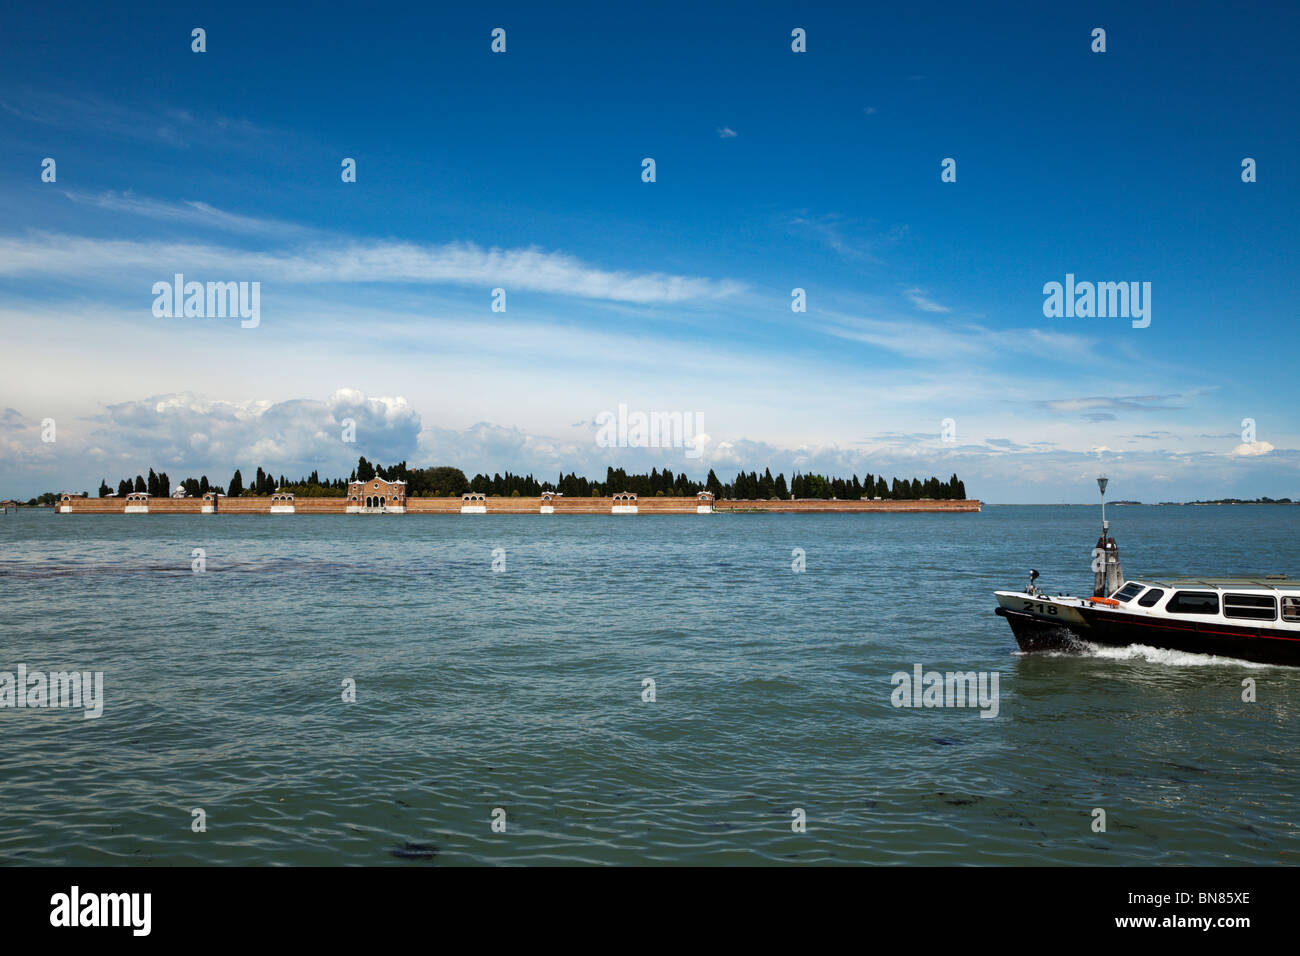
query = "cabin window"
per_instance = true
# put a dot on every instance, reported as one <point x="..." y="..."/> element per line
<point x="1151" y="598"/>
<point x="1257" y="607"/>
<point x="1291" y="609"/>
<point x="1128" y="592"/>
<point x="1193" y="602"/>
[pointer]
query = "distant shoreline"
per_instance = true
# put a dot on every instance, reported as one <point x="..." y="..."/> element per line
<point x="285" y="505"/>
<point x="592" y="506"/>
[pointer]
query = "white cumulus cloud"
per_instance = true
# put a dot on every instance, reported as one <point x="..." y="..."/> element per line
<point x="1251" y="449"/>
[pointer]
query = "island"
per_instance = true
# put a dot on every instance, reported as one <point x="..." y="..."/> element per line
<point x="372" y="489"/>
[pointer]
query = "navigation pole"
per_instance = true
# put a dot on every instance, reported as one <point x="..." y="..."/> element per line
<point x="1107" y="575"/>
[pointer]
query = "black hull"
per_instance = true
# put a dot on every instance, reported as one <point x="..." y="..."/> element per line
<point x="1038" y="634"/>
<point x="1116" y="629"/>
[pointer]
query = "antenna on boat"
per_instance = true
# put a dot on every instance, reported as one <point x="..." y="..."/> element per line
<point x="1107" y="575"/>
<point x="1102" y="481"/>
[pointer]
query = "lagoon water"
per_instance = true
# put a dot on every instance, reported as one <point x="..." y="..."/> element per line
<point x="522" y="689"/>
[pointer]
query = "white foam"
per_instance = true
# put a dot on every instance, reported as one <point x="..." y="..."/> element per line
<point x="1161" y="655"/>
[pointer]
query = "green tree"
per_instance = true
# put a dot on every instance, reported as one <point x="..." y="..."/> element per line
<point x="439" y="482"/>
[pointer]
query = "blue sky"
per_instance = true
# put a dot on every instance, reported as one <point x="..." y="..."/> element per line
<point x="775" y="170"/>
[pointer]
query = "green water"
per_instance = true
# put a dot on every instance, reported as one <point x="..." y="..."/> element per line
<point x="522" y="690"/>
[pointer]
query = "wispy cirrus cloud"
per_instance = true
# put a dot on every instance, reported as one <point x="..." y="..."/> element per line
<point x="919" y="299"/>
<point x="1102" y="407"/>
<point x="177" y="128"/>
<point x="832" y="229"/>
<point x="358" y="262"/>
<point x="185" y="212"/>
<point x="933" y="341"/>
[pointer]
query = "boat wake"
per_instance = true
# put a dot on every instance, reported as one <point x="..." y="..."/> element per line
<point x="1152" y="655"/>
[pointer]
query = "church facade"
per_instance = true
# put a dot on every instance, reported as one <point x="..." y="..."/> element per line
<point x="377" y="496"/>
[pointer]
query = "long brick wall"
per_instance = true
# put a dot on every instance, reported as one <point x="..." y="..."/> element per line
<point x="310" y="506"/>
<point x="808" y="505"/>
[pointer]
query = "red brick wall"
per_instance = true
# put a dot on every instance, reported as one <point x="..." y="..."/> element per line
<point x="666" y="505"/>
<point x="812" y="505"/>
<point x="99" y="506"/>
<point x="262" y="505"/>
<point x="319" y="506"/>
<point x="434" y="505"/>
<point x="173" y="505"/>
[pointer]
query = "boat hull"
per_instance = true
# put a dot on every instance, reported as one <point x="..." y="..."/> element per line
<point x="1112" y="628"/>
<point x="1034" y="633"/>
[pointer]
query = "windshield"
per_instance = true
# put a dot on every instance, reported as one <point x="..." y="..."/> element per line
<point x="1128" y="592"/>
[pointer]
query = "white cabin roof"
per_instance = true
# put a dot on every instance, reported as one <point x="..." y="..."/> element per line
<point x="1279" y="583"/>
